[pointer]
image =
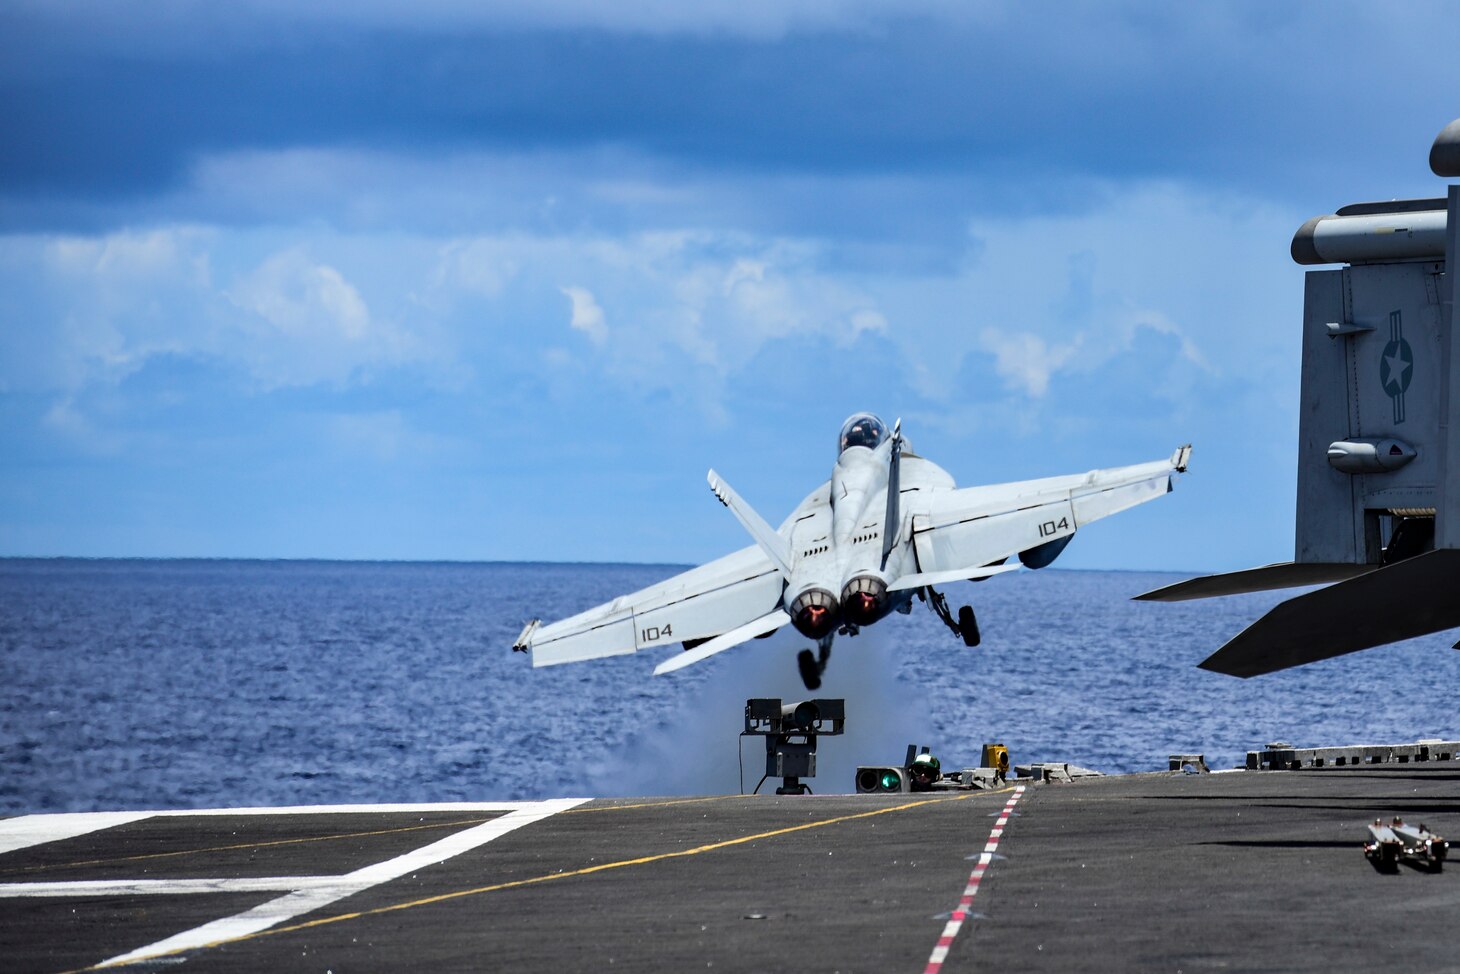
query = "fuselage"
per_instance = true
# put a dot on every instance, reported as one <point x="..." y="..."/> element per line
<point x="837" y="534"/>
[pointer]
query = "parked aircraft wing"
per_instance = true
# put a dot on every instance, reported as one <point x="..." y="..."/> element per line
<point x="1410" y="598"/>
<point x="975" y="526"/>
<point x="757" y="627"/>
<point x="1285" y="574"/>
<point x="700" y="603"/>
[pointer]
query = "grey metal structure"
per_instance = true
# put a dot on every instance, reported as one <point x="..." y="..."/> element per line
<point x="1378" y="505"/>
<point x="1285" y="757"/>
<point x="1388" y="845"/>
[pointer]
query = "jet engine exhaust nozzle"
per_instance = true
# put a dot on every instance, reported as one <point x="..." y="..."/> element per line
<point x="864" y="600"/>
<point x="815" y="613"/>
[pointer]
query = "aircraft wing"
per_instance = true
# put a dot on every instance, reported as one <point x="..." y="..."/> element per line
<point x="976" y="526"/>
<point x="1409" y="598"/>
<point x="703" y="602"/>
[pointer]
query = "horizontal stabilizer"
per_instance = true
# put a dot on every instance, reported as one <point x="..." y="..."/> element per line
<point x="770" y="542"/>
<point x="921" y="579"/>
<point x="766" y="623"/>
<point x="1411" y="598"/>
<point x="1285" y="575"/>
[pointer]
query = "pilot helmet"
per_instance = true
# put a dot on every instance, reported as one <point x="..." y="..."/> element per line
<point x="861" y="429"/>
<point x="926" y="762"/>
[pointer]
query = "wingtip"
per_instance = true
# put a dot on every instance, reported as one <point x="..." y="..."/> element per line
<point x="716" y="486"/>
<point x="523" y="643"/>
<point x="1181" y="458"/>
<point x="1224" y="670"/>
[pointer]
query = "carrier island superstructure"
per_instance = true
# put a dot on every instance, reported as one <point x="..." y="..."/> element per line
<point x="1378" y="505"/>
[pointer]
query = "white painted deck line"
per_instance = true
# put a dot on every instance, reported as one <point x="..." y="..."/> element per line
<point x="25" y="831"/>
<point x="165" y="887"/>
<point x="302" y="901"/>
<point x="353" y="809"/>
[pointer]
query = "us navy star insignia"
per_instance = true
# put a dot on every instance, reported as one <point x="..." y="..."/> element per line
<point x="1396" y="365"/>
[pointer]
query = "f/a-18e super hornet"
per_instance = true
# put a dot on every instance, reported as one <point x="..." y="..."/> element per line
<point x="887" y="527"/>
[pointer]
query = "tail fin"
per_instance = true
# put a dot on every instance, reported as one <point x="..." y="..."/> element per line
<point x="770" y="542"/>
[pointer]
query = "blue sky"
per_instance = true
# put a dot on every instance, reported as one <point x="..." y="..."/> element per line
<point x="501" y="281"/>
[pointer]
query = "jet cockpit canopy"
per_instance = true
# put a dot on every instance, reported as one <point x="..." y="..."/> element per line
<point x="862" y="429"/>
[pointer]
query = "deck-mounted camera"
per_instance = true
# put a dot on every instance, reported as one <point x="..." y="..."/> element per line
<point x="790" y="732"/>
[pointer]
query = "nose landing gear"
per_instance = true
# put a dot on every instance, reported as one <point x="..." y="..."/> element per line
<point x="812" y="666"/>
<point x="968" y="626"/>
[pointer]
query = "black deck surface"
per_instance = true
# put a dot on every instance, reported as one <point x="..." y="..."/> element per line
<point x="1253" y="871"/>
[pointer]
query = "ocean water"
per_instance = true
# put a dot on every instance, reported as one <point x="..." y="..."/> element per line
<point x="177" y="684"/>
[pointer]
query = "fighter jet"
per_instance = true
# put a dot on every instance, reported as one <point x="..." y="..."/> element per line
<point x="886" y="528"/>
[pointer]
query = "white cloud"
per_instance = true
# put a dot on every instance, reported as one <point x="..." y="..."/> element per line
<point x="125" y="253"/>
<point x="689" y="307"/>
<point x="119" y="265"/>
<point x="1066" y="293"/>
<point x="1026" y="361"/>
<point x="99" y="307"/>
<point x="1026" y="300"/>
<point x="867" y="320"/>
<point x="302" y="298"/>
<point x="306" y="324"/>
<point x="587" y="316"/>
<point x="483" y="267"/>
<point x="1163" y="325"/>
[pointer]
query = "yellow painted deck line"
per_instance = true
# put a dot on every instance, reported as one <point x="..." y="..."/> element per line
<point x="672" y="801"/>
<point x="328" y="838"/>
<point x="312" y="898"/>
<point x="546" y="878"/>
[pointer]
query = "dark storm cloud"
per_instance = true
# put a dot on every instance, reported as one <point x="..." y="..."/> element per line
<point x="1061" y="91"/>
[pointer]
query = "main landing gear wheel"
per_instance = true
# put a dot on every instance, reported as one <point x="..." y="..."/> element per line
<point x="968" y="626"/>
<point x="965" y="627"/>
<point x="810" y="671"/>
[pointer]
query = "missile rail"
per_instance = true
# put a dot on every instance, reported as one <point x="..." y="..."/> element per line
<point x="1388" y="845"/>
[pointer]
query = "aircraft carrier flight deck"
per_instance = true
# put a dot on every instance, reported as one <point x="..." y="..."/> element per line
<point x="1245" y="870"/>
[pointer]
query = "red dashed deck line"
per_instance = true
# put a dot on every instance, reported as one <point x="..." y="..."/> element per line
<point x="955" y="920"/>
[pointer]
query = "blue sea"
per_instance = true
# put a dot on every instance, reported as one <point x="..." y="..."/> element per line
<point x="179" y="684"/>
